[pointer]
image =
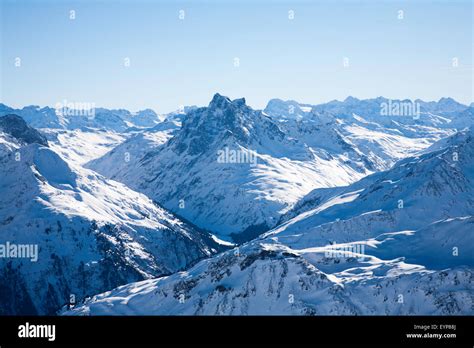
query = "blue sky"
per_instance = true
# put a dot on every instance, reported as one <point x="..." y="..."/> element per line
<point x="177" y="62"/>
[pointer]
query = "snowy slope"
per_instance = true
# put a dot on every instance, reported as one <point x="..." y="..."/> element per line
<point x="80" y="146"/>
<point x="84" y="145"/>
<point x="129" y="153"/>
<point x="269" y="278"/>
<point x="93" y="234"/>
<point x="352" y="250"/>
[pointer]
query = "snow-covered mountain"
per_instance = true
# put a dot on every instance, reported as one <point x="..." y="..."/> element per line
<point x="82" y="135"/>
<point x="378" y="246"/>
<point x="15" y="126"/>
<point x="81" y="138"/>
<point x="289" y="149"/>
<point x="80" y="146"/>
<point x="274" y="280"/>
<point x="338" y="208"/>
<point x="398" y="199"/>
<point x="91" y="234"/>
<point x="36" y="116"/>
<point x="233" y="170"/>
<point x="388" y="111"/>
<point x="384" y="130"/>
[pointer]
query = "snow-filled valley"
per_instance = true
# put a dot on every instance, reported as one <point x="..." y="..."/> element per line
<point x="330" y="209"/>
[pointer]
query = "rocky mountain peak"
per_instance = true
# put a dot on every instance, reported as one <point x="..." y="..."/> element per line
<point x="16" y="126"/>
